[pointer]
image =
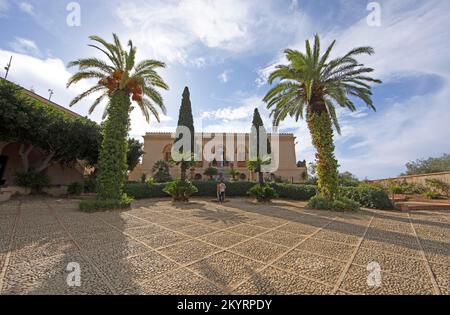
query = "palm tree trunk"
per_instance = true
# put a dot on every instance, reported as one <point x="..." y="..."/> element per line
<point x="261" y="178"/>
<point x="183" y="170"/>
<point x="113" y="152"/>
<point x="320" y="127"/>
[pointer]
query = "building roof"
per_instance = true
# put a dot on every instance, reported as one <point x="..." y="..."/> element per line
<point x="46" y="101"/>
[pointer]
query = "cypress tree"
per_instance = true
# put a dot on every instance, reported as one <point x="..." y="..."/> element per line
<point x="257" y="135"/>
<point x="185" y="119"/>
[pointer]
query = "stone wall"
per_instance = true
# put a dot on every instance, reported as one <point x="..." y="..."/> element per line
<point x="415" y="179"/>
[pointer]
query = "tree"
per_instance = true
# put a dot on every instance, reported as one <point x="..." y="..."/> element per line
<point x="60" y="137"/>
<point x="185" y="120"/>
<point x="211" y="171"/>
<point x="256" y="164"/>
<point x="430" y="165"/>
<point x="233" y="173"/>
<point x="161" y="172"/>
<point x="119" y="79"/>
<point x="347" y="179"/>
<point x="257" y="134"/>
<point x="134" y="154"/>
<point x="314" y="84"/>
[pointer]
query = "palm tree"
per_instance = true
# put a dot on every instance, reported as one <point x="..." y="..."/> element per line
<point x="233" y="173"/>
<point x="119" y="78"/>
<point x="256" y="164"/>
<point x="314" y="84"/>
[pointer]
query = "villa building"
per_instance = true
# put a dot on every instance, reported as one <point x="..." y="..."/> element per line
<point x="158" y="146"/>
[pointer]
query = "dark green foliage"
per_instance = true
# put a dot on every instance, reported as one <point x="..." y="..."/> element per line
<point x="95" y="205"/>
<point x="257" y="134"/>
<point x="134" y="154"/>
<point x="143" y="191"/>
<point x="186" y="120"/>
<point x="211" y="171"/>
<point x="430" y="165"/>
<point x="112" y="165"/>
<point x="263" y="193"/>
<point x="75" y="189"/>
<point x="64" y="138"/>
<point x="367" y="196"/>
<point x="143" y="178"/>
<point x="347" y="179"/>
<point x="234" y="189"/>
<point x="295" y="192"/>
<point x="161" y="172"/>
<point x="339" y="204"/>
<point x="33" y="180"/>
<point x="90" y="184"/>
<point x="180" y="190"/>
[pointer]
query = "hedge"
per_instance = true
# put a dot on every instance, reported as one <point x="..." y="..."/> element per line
<point x="367" y="196"/>
<point x="234" y="189"/>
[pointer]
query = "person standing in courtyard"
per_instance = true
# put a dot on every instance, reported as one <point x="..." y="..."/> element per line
<point x="221" y="187"/>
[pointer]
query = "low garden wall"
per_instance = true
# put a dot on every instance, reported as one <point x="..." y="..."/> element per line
<point x="419" y="179"/>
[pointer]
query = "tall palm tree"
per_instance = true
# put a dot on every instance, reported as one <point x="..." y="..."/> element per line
<point x="312" y="83"/>
<point x="119" y="79"/>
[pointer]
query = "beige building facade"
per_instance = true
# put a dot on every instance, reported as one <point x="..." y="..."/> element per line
<point x="234" y="148"/>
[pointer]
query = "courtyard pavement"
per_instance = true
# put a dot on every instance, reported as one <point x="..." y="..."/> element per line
<point x="206" y="248"/>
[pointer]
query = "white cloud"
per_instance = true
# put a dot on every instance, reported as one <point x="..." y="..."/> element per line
<point x="25" y="46"/>
<point x="173" y="30"/>
<point x="27" y="8"/>
<point x="225" y="76"/>
<point x="4" y="6"/>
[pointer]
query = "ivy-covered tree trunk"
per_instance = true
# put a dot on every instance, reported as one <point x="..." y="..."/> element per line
<point x="113" y="153"/>
<point x="320" y="127"/>
<point x="183" y="166"/>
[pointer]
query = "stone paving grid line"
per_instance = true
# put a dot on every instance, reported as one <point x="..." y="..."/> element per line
<point x="8" y="254"/>
<point x="97" y="270"/>
<point x="424" y="257"/>
<point x="270" y="263"/>
<point x="224" y="249"/>
<point x="350" y="260"/>
<point x="190" y="238"/>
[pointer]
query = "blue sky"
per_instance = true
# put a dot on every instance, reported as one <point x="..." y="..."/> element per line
<point x="224" y="49"/>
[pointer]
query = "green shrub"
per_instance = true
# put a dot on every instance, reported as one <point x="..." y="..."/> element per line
<point x="93" y="205"/>
<point x="295" y="192"/>
<point x="413" y="189"/>
<point x="180" y="190"/>
<point x="263" y="193"/>
<point x="90" y="184"/>
<point x="75" y="189"/>
<point x="33" y="180"/>
<point x="431" y="195"/>
<point x="339" y="204"/>
<point x="367" y="196"/>
<point x="143" y="191"/>
<point x="396" y="189"/>
<point x="438" y="186"/>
